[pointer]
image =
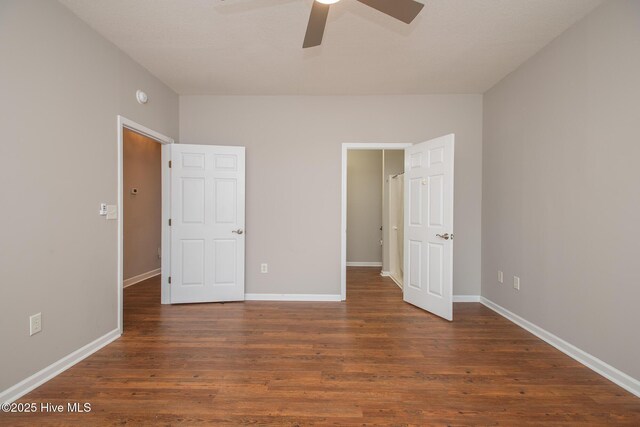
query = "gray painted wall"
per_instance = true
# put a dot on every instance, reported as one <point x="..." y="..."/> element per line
<point x="561" y="198"/>
<point x="393" y="165"/>
<point x="62" y="86"/>
<point x="294" y="167"/>
<point x="364" y="206"/>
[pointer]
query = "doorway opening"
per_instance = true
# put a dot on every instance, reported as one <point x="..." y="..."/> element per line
<point x="142" y="208"/>
<point x="370" y="177"/>
<point x="143" y="204"/>
<point x="427" y="234"/>
<point x="375" y="212"/>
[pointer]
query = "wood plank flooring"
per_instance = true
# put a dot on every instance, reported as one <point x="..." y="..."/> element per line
<point x="371" y="360"/>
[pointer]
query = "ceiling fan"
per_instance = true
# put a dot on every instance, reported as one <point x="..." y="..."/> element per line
<point x="404" y="10"/>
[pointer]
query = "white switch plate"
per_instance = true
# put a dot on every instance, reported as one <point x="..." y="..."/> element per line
<point x="112" y="211"/>
<point x="103" y="209"/>
<point x="516" y="282"/>
<point x="264" y="268"/>
<point x="35" y="324"/>
<point x="500" y="276"/>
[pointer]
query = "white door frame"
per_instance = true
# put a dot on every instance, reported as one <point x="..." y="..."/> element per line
<point x="343" y="224"/>
<point x="123" y="123"/>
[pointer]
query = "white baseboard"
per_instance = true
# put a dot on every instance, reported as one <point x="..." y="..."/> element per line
<point x="614" y="375"/>
<point x="25" y="386"/>
<point x="396" y="281"/>
<point x="364" y="264"/>
<point x="385" y="273"/>
<point x="140" y="277"/>
<point x="292" y="297"/>
<point x="466" y="298"/>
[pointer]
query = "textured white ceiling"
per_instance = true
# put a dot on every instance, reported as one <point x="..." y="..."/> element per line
<point x="255" y="46"/>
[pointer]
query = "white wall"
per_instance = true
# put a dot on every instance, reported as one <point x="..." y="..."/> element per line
<point x="294" y="166"/>
<point x="62" y="86"/>
<point x="561" y="198"/>
<point x="393" y="165"/>
<point x="364" y="206"/>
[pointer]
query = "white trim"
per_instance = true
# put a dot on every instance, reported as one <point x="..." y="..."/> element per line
<point x="25" y="386"/>
<point x="123" y="123"/>
<point x="343" y="221"/>
<point x="614" y="375"/>
<point x="137" y="127"/>
<point x="364" y="264"/>
<point x="140" y="277"/>
<point x="388" y="274"/>
<point x="466" y="298"/>
<point x="292" y="297"/>
<point x="396" y="282"/>
<point x="165" y="262"/>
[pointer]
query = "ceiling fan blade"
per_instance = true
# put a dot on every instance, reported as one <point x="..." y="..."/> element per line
<point x="317" y="21"/>
<point x="404" y="10"/>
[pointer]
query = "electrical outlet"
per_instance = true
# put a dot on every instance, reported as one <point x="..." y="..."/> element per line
<point x="264" y="268"/>
<point x="35" y="324"/>
<point x="516" y="282"/>
<point x="500" y="276"/>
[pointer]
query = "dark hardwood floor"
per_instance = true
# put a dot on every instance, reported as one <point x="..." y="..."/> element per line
<point x="371" y="360"/>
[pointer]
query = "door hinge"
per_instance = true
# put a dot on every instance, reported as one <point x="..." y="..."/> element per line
<point x="169" y="279"/>
<point x="169" y="163"/>
<point x="169" y="222"/>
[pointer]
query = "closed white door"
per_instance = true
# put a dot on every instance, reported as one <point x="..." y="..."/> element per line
<point x="428" y="226"/>
<point x="207" y="223"/>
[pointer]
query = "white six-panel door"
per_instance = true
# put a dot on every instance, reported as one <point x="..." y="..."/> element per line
<point x="428" y="226"/>
<point x="207" y="223"/>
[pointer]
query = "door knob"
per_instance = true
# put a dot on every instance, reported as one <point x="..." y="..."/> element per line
<point x="238" y="231"/>
<point x="444" y="236"/>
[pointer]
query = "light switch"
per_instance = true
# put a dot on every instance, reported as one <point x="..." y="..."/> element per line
<point x="103" y="209"/>
<point x="112" y="211"/>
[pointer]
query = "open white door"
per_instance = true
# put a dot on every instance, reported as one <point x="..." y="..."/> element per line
<point x="428" y="226"/>
<point x="207" y="223"/>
